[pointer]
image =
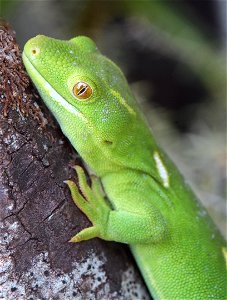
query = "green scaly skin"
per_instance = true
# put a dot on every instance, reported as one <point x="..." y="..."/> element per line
<point x="178" y="249"/>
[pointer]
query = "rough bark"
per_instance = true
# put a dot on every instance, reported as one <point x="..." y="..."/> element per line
<point x="38" y="216"/>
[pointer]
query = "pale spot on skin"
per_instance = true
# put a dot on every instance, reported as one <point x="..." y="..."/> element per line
<point x="161" y="170"/>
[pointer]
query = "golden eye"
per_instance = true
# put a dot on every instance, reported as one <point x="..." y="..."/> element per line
<point x="82" y="90"/>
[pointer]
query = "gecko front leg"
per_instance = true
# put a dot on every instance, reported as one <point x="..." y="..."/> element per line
<point x="110" y="224"/>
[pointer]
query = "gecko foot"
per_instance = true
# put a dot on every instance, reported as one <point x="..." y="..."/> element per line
<point x="91" y="201"/>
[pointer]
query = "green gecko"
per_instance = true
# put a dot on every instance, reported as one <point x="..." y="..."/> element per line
<point x="177" y="247"/>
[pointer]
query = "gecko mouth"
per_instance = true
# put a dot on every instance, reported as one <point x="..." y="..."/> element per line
<point x="47" y="90"/>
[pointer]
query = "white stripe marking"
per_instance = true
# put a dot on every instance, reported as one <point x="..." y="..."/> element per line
<point x="40" y="81"/>
<point x="58" y="98"/>
<point x="161" y="170"/>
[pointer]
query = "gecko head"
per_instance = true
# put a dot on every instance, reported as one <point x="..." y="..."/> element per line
<point x="86" y="92"/>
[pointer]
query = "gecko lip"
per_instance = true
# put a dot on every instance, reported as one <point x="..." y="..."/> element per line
<point x="48" y="88"/>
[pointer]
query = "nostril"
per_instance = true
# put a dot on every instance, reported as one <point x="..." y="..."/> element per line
<point x="35" y="51"/>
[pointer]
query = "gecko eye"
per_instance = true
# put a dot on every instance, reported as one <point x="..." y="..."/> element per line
<point x="82" y="90"/>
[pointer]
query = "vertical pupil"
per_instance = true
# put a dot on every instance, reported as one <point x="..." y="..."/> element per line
<point x="82" y="89"/>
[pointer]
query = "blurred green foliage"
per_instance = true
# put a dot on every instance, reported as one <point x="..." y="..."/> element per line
<point x="6" y="6"/>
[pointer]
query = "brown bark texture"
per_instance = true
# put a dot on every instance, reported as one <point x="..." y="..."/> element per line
<point x="38" y="216"/>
